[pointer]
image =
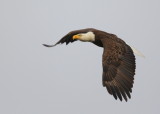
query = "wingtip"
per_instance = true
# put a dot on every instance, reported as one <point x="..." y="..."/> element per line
<point x="48" y="45"/>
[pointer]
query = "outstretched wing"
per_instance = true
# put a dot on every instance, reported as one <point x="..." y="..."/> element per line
<point x="118" y="69"/>
<point x="68" y="37"/>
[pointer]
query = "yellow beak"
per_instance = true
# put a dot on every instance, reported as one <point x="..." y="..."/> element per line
<point x="75" y="37"/>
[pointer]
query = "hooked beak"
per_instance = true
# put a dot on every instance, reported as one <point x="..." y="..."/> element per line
<point x="76" y="37"/>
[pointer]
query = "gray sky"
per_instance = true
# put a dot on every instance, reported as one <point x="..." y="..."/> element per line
<point x="67" y="79"/>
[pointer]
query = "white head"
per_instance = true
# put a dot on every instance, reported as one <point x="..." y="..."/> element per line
<point x="85" y="37"/>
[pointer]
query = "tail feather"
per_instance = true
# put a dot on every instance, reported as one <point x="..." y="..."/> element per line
<point x="137" y="52"/>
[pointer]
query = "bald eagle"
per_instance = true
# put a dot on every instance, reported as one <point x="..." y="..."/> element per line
<point x="118" y="59"/>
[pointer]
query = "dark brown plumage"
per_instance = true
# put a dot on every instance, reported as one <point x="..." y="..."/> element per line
<point x="118" y="61"/>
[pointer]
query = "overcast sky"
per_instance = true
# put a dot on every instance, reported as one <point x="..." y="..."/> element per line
<point x="67" y="79"/>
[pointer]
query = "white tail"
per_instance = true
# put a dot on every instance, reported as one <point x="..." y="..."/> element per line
<point x="137" y="52"/>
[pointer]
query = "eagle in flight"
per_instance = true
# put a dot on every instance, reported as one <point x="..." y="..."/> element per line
<point x="118" y="59"/>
